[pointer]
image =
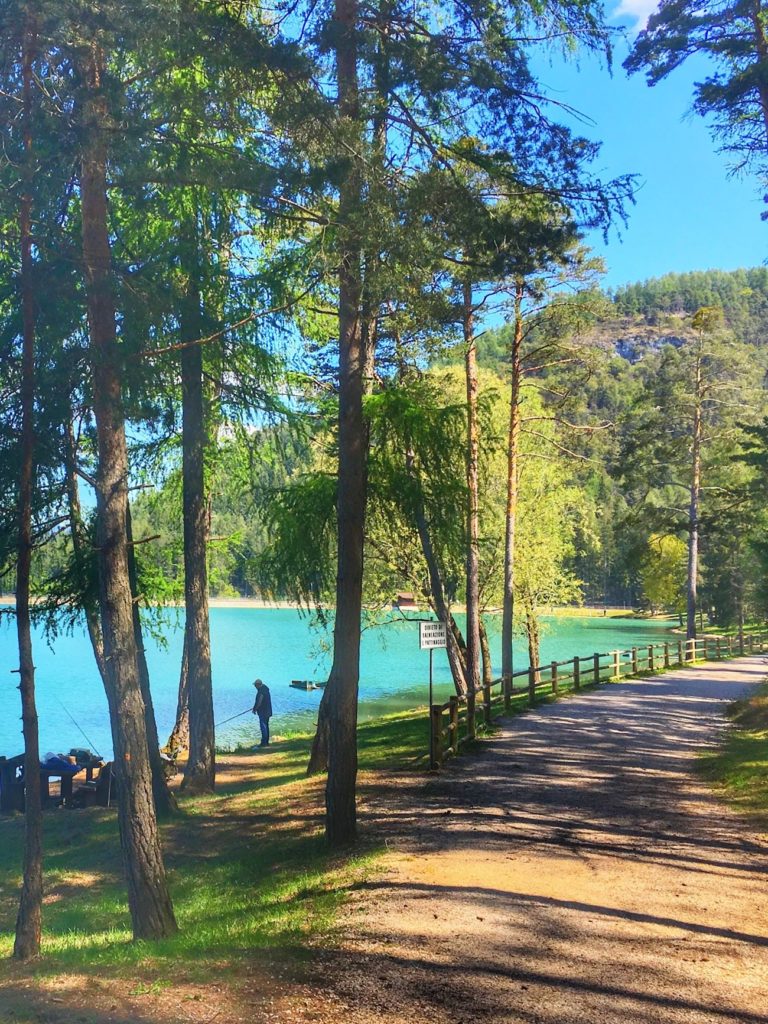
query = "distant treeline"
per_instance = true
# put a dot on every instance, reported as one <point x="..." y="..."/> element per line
<point x="742" y="295"/>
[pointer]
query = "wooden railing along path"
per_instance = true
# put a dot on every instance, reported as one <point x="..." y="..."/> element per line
<point x="457" y="720"/>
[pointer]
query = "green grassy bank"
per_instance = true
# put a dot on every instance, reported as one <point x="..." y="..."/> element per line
<point x="248" y="868"/>
<point x="740" y="765"/>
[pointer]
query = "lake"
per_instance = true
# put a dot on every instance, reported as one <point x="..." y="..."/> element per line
<point x="278" y="645"/>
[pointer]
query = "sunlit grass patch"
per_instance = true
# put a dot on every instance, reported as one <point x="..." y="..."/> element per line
<point x="741" y="763"/>
<point x="248" y="868"/>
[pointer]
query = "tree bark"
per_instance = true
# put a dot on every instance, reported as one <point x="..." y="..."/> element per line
<point x="318" y="758"/>
<point x="456" y="658"/>
<point x="532" y="633"/>
<point x="318" y="755"/>
<point x="473" y="506"/>
<point x="513" y="451"/>
<point x="693" y="509"/>
<point x="485" y="651"/>
<point x="77" y="535"/>
<point x="200" y="772"/>
<point x="179" y="738"/>
<point x="165" y="801"/>
<point x="29" y="919"/>
<point x="340" y="803"/>
<point x="148" y="897"/>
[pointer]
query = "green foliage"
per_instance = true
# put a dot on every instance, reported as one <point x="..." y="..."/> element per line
<point x="732" y="35"/>
<point x="662" y="573"/>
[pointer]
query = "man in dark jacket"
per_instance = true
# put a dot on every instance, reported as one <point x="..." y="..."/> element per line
<point x="263" y="708"/>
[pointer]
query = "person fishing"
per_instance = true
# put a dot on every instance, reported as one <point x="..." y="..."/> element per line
<point x="263" y="708"/>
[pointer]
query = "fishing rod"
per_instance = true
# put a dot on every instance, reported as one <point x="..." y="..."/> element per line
<point x="81" y="731"/>
<point x="246" y="712"/>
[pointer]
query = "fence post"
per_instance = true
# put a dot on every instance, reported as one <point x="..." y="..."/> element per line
<point x="576" y="673"/>
<point x="666" y="655"/>
<point x="634" y="661"/>
<point x="749" y="643"/>
<point x="650" y="658"/>
<point x="690" y="650"/>
<point x="617" y="664"/>
<point x="532" y="684"/>
<point x="436" y="717"/>
<point x="729" y="641"/>
<point x="680" y="656"/>
<point x="741" y="640"/>
<point x="596" y="669"/>
<point x="717" y="647"/>
<point x="453" y="713"/>
<point x="554" y="677"/>
<point x="507" y="689"/>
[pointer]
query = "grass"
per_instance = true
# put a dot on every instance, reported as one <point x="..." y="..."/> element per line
<point x="733" y="629"/>
<point x="740" y="765"/>
<point x="580" y="611"/>
<point x="248" y="867"/>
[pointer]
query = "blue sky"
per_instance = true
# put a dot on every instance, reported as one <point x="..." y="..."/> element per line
<point x="689" y="214"/>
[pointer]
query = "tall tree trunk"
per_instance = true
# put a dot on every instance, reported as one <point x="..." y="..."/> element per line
<point x="532" y="632"/>
<point x="485" y="651"/>
<point x="318" y="758"/>
<point x="29" y="920"/>
<point x="693" y="509"/>
<point x="200" y="772"/>
<point x="318" y="755"/>
<point x="513" y="476"/>
<point x="78" y="539"/>
<point x="460" y="643"/>
<point x="456" y="658"/>
<point x="165" y="801"/>
<point x="148" y="897"/>
<point x="340" y="803"/>
<point x="179" y="738"/>
<point x="473" y="507"/>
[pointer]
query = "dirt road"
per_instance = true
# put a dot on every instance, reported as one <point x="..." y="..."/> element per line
<point x="575" y="870"/>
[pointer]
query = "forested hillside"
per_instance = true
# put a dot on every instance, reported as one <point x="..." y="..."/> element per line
<point x="741" y="294"/>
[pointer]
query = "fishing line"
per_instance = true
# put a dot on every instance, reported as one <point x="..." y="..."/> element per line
<point x="92" y="744"/>
<point x="82" y="731"/>
<point x="246" y="712"/>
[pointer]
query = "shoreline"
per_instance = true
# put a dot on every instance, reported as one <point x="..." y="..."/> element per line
<point x="264" y="604"/>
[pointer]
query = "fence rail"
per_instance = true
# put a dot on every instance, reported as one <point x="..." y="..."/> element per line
<point x="457" y="720"/>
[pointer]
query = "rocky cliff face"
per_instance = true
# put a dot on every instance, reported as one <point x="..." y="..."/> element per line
<point x="633" y="346"/>
<point x="635" y="337"/>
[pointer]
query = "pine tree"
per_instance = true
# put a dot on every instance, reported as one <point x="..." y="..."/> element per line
<point x="734" y="36"/>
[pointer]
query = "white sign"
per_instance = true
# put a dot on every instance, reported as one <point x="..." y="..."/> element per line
<point x="431" y="634"/>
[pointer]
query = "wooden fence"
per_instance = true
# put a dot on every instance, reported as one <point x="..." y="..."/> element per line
<point x="459" y="718"/>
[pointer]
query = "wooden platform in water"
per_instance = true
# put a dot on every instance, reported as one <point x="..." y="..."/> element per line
<point x="306" y="684"/>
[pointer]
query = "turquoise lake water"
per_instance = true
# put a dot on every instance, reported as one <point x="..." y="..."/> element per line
<point x="278" y="645"/>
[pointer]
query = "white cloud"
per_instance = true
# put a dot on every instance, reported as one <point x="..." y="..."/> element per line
<point x="639" y="10"/>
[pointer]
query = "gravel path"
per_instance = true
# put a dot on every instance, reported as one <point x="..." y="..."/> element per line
<point x="574" y="870"/>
